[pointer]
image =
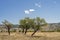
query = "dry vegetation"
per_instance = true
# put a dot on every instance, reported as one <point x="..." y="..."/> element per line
<point x="37" y="36"/>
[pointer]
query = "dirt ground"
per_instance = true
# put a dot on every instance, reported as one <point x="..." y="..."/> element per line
<point x="37" y="36"/>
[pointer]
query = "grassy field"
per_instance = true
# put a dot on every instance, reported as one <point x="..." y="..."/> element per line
<point x="37" y="36"/>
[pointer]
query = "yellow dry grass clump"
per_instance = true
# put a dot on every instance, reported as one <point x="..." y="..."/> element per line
<point x="37" y="36"/>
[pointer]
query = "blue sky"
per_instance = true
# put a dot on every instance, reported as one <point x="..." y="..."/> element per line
<point x="14" y="10"/>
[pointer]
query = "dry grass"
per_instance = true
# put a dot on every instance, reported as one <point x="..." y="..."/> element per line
<point x="37" y="36"/>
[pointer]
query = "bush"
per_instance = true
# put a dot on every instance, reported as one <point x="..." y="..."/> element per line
<point x="58" y="30"/>
<point x="47" y="31"/>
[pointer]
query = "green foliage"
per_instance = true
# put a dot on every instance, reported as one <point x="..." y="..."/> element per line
<point x="58" y="30"/>
<point x="34" y="23"/>
<point x="8" y="25"/>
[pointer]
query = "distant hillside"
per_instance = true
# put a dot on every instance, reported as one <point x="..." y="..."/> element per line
<point x="14" y="26"/>
<point x="50" y="27"/>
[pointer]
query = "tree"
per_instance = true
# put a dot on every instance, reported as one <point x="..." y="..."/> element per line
<point x="39" y="22"/>
<point x="8" y="25"/>
<point x="32" y="23"/>
<point x="22" y="24"/>
<point x="27" y="23"/>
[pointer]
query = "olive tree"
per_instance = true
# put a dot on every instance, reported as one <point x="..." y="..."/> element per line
<point x="34" y="23"/>
<point x="38" y="23"/>
<point x="26" y="24"/>
<point x="8" y="25"/>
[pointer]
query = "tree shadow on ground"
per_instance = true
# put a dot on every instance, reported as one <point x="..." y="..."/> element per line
<point x="36" y="36"/>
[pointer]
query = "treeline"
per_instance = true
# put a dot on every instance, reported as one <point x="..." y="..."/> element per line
<point x="27" y="23"/>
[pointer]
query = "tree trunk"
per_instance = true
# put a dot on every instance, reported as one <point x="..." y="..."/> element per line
<point x="25" y="30"/>
<point x="35" y="32"/>
<point x="9" y="31"/>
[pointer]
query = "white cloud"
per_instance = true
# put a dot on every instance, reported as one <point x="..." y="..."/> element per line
<point x="29" y="11"/>
<point x="38" y="5"/>
<point x="26" y="11"/>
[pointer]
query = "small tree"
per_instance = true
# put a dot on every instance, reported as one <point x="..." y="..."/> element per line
<point x="39" y="22"/>
<point x="32" y="23"/>
<point x="8" y="25"/>
<point x="22" y="24"/>
<point x="26" y="24"/>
